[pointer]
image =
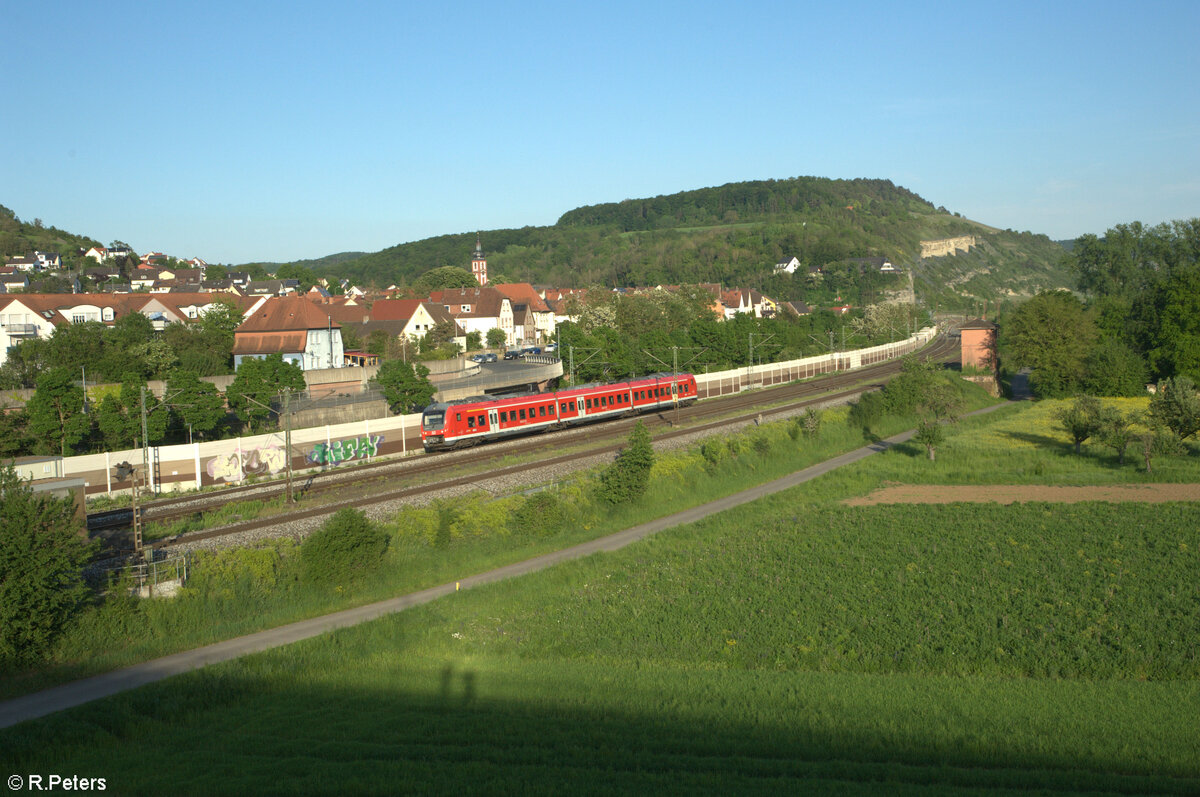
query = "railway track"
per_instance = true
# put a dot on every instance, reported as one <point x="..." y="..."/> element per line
<point x="369" y="484"/>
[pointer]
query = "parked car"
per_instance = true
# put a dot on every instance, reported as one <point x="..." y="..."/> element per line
<point x="550" y="348"/>
<point x="477" y="358"/>
<point x="490" y="357"/>
<point x="513" y="354"/>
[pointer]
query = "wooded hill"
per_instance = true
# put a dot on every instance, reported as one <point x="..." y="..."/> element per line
<point x="24" y="238"/>
<point x="734" y="234"/>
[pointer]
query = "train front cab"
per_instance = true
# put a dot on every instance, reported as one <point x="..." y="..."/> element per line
<point x="433" y="427"/>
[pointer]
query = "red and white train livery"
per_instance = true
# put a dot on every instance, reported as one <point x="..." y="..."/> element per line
<point x="479" y="419"/>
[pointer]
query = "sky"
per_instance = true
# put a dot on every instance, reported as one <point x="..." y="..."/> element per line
<point x="265" y="131"/>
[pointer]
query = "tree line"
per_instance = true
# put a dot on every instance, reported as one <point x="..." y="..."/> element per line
<point x="1134" y="321"/>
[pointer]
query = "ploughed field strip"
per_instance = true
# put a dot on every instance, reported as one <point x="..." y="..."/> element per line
<point x="1026" y="493"/>
<point x="602" y="437"/>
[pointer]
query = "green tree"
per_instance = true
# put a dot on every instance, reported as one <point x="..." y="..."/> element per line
<point x="441" y="334"/>
<point x="73" y="346"/>
<point x="13" y="439"/>
<point x="1114" y="369"/>
<point x="196" y="403"/>
<point x="931" y="435"/>
<point x="406" y="386"/>
<point x="1052" y="334"/>
<point x="1159" y="442"/>
<point x="442" y="278"/>
<point x="474" y="341"/>
<point x="42" y="555"/>
<point x="26" y="362"/>
<point x="126" y="344"/>
<point x="496" y="338"/>
<point x="1176" y="405"/>
<point x="119" y="416"/>
<point x="1174" y="335"/>
<point x="260" y="381"/>
<point x="290" y="271"/>
<point x="626" y="480"/>
<point x="205" y="346"/>
<point x="57" y="421"/>
<point x="1080" y="420"/>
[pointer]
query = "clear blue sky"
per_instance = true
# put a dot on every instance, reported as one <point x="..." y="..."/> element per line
<point x="279" y="131"/>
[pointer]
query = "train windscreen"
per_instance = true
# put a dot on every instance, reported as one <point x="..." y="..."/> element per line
<point x="433" y="420"/>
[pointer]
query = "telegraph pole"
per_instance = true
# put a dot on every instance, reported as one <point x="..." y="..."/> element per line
<point x="287" y="395"/>
<point x="145" y="442"/>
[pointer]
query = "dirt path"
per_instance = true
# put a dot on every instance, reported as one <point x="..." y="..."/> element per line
<point x="1017" y="493"/>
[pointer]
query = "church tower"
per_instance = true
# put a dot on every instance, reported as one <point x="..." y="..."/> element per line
<point x="479" y="265"/>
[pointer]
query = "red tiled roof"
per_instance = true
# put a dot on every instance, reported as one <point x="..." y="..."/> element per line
<point x="270" y="342"/>
<point x="523" y="293"/>
<point x="394" y="309"/>
<point x="287" y="314"/>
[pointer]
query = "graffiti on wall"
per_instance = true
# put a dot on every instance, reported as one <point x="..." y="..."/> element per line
<point x="236" y="466"/>
<point x="340" y="451"/>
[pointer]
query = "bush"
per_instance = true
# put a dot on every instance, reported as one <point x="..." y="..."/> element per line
<point x="343" y="550"/>
<point x="540" y="514"/>
<point x="42" y="555"/>
<point x="626" y="479"/>
<point x="867" y="411"/>
<point x="714" y="452"/>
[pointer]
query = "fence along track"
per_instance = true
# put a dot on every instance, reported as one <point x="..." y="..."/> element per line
<point x="309" y="484"/>
<point x="813" y="393"/>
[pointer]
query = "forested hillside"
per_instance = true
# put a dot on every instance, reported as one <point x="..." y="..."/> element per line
<point x="734" y="234"/>
<point x="24" y="238"/>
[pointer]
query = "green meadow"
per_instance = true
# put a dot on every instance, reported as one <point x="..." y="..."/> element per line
<point x="795" y="644"/>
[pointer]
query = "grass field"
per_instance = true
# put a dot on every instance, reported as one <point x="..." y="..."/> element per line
<point x="794" y="644"/>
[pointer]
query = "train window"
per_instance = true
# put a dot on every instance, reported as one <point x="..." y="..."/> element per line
<point x="470" y="421"/>
<point x="503" y="417"/>
<point x="542" y="411"/>
<point x="458" y="417"/>
<point x="551" y="409"/>
<point x="482" y="421"/>
<point x="522" y="414"/>
<point x="589" y="404"/>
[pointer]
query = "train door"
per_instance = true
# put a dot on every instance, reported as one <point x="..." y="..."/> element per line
<point x="580" y="406"/>
<point x="494" y="420"/>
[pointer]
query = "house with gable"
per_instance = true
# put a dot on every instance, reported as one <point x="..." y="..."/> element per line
<point x="407" y="318"/>
<point x="294" y="327"/>
<point x="533" y="320"/>
<point x="749" y="301"/>
<point x="12" y="280"/>
<point x="787" y="266"/>
<point x="51" y="261"/>
<point x="479" y="310"/>
<point x="23" y="263"/>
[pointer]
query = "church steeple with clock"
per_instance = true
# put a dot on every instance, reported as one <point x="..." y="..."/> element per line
<point x="478" y="264"/>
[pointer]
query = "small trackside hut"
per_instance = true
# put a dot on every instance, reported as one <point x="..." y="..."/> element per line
<point x="470" y="421"/>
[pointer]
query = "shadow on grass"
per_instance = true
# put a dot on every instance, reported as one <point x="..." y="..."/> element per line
<point x="1052" y="444"/>
<point x="443" y="729"/>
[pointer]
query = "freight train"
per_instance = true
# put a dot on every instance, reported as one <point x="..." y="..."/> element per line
<point x="467" y="422"/>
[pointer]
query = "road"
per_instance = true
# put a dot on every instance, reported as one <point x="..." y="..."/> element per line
<point x="59" y="698"/>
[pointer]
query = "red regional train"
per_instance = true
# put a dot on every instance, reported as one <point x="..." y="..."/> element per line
<point x="466" y="422"/>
